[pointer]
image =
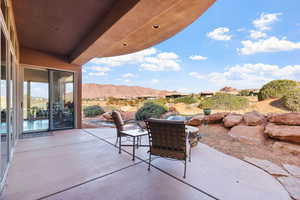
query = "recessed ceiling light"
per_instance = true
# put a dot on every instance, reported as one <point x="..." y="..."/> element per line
<point x="155" y="26"/>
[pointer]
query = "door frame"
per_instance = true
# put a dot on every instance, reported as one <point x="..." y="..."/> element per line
<point x="20" y="97"/>
<point x="50" y="75"/>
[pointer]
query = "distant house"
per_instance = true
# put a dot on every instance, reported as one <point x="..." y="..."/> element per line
<point x="147" y="97"/>
<point x="207" y="94"/>
<point x="176" y="95"/>
<point x="254" y="92"/>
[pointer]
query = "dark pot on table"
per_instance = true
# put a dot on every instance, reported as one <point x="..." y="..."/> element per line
<point x="207" y="111"/>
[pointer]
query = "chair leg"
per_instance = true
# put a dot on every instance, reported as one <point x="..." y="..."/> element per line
<point x="120" y="139"/>
<point x="116" y="141"/>
<point x="190" y="154"/>
<point x="184" y="175"/>
<point x="149" y="162"/>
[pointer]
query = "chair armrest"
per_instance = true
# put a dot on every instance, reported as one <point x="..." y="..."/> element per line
<point x="130" y="121"/>
<point x="138" y="123"/>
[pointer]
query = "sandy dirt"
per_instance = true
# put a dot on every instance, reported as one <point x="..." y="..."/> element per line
<point x="217" y="137"/>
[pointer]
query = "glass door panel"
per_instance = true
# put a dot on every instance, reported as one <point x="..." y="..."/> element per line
<point x="4" y="106"/>
<point x="12" y="98"/>
<point x="61" y="100"/>
<point x="35" y="100"/>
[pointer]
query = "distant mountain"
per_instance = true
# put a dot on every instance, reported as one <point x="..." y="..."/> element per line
<point x="91" y="91"/>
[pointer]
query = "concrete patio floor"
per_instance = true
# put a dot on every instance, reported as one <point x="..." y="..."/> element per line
<point x="84" y="164"/>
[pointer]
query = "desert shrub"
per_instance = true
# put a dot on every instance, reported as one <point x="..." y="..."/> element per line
<point x="291" y="100"/>
<point x="92" y="111"/>
<point x="224" y="101"/>
<point x="276" y="89"/>
<point x="160" y="101"/>
<point x="186" y="100"/>
<point x="149" y="110"/>
<point x="245" y="93"/>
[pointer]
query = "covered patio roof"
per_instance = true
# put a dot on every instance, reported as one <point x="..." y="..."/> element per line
<point x="85" y="164"/>
<point x="81" y="30"/>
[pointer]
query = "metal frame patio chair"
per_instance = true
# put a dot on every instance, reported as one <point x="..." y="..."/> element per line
<point x="121" y="126"/>
<point x="167" y="139"/>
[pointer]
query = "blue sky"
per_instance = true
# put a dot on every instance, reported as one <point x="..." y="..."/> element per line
<point x="242" y="44"/>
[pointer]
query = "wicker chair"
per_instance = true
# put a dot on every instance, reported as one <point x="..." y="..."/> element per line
<point x="167" y="139"/>
<point x="121" y="126"/>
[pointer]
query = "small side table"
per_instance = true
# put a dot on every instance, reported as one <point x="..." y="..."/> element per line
<point x="133" y="133"/>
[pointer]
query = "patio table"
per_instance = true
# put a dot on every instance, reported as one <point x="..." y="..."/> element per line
<point x="133" y="133"/>
<point x="190" y="130"/>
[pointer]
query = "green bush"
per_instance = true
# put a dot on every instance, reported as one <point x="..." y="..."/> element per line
<point x="92" y="111"/>
<point x="224" y="101"/>
<point x="160" y="101"/>
<point x="292" y="100"/>
<point x="245" y="93"/>
<point x="149" y="110"/>
<point x="186" y="100"/>
<point x="276" y="89"/>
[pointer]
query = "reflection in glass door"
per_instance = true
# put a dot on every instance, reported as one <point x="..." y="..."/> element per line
<point x="61" y="100"/>
<point x="4" y="106"/>
<point x="35" y="100"/>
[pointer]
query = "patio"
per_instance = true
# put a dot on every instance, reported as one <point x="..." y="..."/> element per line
<point x="84" y="164"/>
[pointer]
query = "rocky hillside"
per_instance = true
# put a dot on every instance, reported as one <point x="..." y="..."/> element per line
<point x="91" y="91"/>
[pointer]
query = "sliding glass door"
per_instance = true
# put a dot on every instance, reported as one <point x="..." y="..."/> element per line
<point x="35" y="100"/>
<point x="48" y="102"/>
<point x="61" y="100"/>
<point x="4" y="106"/>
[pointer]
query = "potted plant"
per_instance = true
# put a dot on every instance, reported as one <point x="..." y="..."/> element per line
<point x="207" y="111"/>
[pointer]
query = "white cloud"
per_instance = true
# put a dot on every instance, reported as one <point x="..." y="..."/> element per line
<point x="97" y="74"/>
<point x="265" y="20"/>
<point x="127" y="81"/>
<point x="158" y="64"/>
<point x="221" y="33"/>
<point x="99" y="69"/>
<point x="125" y="59"/>
<point x="198" y="57"/>
<point x="128" y="75"/>
<point x="155" y="81"/>
<point x="196" y="75"/>
<point x="148" y="59"/>
<point x="257" y="34"/>
<point x="252" y="75"/>
<point x="168" y="55"/>
<point x="272" y="44"/>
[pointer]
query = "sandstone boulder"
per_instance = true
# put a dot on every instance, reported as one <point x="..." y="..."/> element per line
<point x="254" y="118"/>
<point x="127" y="115"/>
<point x="288" y="147"/>
<point x="232" y="120"/>
<point x="172" y="109"/>
<point x="196" y="120"/>
<point x="283" y="132"/>
<point x="248" y="134"/>
<point x="215" y="118"/>
<point x="285" y="119"/>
